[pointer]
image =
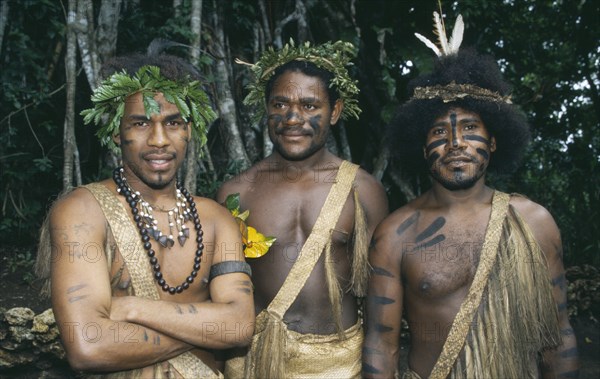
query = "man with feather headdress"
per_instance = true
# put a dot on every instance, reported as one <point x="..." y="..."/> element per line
<point x="477" y="272"/>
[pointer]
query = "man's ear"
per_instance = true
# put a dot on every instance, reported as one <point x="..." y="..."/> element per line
<point x="336" y="112"/>
<point x="425" y="152"/>
<point x="493" y="144"/>
<point x="189" y="131"/>
<point x="117" y="139"/>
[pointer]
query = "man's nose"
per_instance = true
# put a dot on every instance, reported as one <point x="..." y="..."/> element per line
<point x="158" y="136"/>
<point x="293" y="117"/>
<point x="457" y="139"/>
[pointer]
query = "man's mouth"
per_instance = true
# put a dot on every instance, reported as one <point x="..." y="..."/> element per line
<point x="159" y="161"/>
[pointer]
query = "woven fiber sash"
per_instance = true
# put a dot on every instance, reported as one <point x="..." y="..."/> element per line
<point x="462" y="322"/>
<point x="130" y="246"/>
<point x="316" y="242"/>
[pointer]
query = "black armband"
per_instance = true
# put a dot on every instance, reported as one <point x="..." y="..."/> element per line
<point x="229" y="267"/>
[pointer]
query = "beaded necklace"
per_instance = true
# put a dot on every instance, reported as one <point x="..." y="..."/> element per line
<point x="148" y="227"/>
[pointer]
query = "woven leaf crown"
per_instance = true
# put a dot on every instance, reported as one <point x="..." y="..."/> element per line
<point x="330" y="56"/>
<point x="110" y="97"/>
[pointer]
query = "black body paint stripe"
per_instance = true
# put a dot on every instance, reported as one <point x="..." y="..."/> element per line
<point x="572" y="352"/>
<point x="477" y="138"/>
<point x="435" y="144"/>
<point x="383" y="328"/>
<point x="569" y="374"/>
<point x="567" y="332"/>
<point x="432" y="158"/>
<point x="368" y="369"/>
<point x="370" y="350"/>
<point x="382" y="272"/>
<point x="483" y="153"/>
<point x="559" y="281"/>
<point x="407" y="223"/>
<point x="77" y="298"/>
<point x="439" y="238"/>
<point x="453" y="124"/>
<point x="76" y="288"/>
<point x="436" y="225"/>
<point x="382" y="300"/>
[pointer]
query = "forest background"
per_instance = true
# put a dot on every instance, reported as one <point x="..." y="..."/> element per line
<point x="51" y="51"/>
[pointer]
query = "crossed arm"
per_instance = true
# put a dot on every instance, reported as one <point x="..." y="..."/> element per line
<point x="104" y="333"/>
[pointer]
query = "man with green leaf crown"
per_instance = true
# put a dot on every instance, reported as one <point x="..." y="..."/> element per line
<point x="146" y="279"/>
<point x="478" y="273"/>
<point x="322" y="211"/>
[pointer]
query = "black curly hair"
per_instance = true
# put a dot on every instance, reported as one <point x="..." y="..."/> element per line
<point x="307" y="68"/>
<point x="171" y="67"/>
<point x="407" y="132"/>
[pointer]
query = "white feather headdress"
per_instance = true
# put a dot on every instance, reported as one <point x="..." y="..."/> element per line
<point x="445" y="47"/>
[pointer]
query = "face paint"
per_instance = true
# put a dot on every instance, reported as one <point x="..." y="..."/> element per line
<point x="299" y="119"/>
<point x="453" y="125"/>
<point x="432" y="158"/>
<point x="471" y="137"/>
<point x="483" y="153"/>
<point x="435" y="144"/>
<point x="461" y="163"/>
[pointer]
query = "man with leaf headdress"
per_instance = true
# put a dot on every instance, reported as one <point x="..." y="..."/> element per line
<point x="321" y="210"/>
<point x="146" y="279"/>
<point x="477" y="272"/>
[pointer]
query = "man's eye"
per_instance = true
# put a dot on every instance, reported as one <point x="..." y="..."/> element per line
<point x="278" y="105"/>
<point x="174" y="123"/>
<point x="470" y="126"/>
<point x="310" y="107"/>
<point x="140" y="123"/>
<point x="438" y="131"/>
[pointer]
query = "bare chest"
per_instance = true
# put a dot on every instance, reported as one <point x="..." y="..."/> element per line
<point x="442" y="257"/>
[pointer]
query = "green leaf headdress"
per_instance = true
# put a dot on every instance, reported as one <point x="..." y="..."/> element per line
<point x="109" y="99"/>
<point x="333" y="57"/>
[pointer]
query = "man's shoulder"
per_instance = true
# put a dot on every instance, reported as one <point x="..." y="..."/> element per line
<point x="78" y="204"/>
<point x="400" y="216"/>
<point x="531" y="211"/>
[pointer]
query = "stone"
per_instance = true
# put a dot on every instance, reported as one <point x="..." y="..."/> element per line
<point x="50" y="335"/>
<point x="8" y="359"/>
<point x="20" y="334"/>
<point x="43" y="321"/>
<point x="19" y="316"/>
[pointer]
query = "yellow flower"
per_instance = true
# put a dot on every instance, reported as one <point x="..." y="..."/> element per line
<point x="256" y="244"/>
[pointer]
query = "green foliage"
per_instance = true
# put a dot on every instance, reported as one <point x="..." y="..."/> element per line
<point x="22" y="261"/>
<point x="333" y="57"/>
<point x="109" y="100"/>
<point x="553" y="67"/>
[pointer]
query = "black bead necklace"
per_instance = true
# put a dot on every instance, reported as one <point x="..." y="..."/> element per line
<point x="133" y="198"/>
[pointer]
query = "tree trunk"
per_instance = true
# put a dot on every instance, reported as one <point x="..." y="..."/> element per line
<point x="191" y="160"/>
<point x="70" y="70"/>
<point x="108" y="25"/>
<point x="265" y="21"/>
<point x="177" y="10"/>
<point x="3" y="20"/>
<point x="225" y="103"/>
<point x="84" y="27"/>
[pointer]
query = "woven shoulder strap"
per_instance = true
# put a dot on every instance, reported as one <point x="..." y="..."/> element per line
<point x="131" y="249"/>
<point x="462" y="322"/>
<point x="316" y="242"/>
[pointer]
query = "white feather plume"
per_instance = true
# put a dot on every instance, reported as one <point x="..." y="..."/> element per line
<point x="457" y="35"/>
<point x="440" y="32"/>
<point x="429" y="44"/>
<point x="444" y="46"/>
